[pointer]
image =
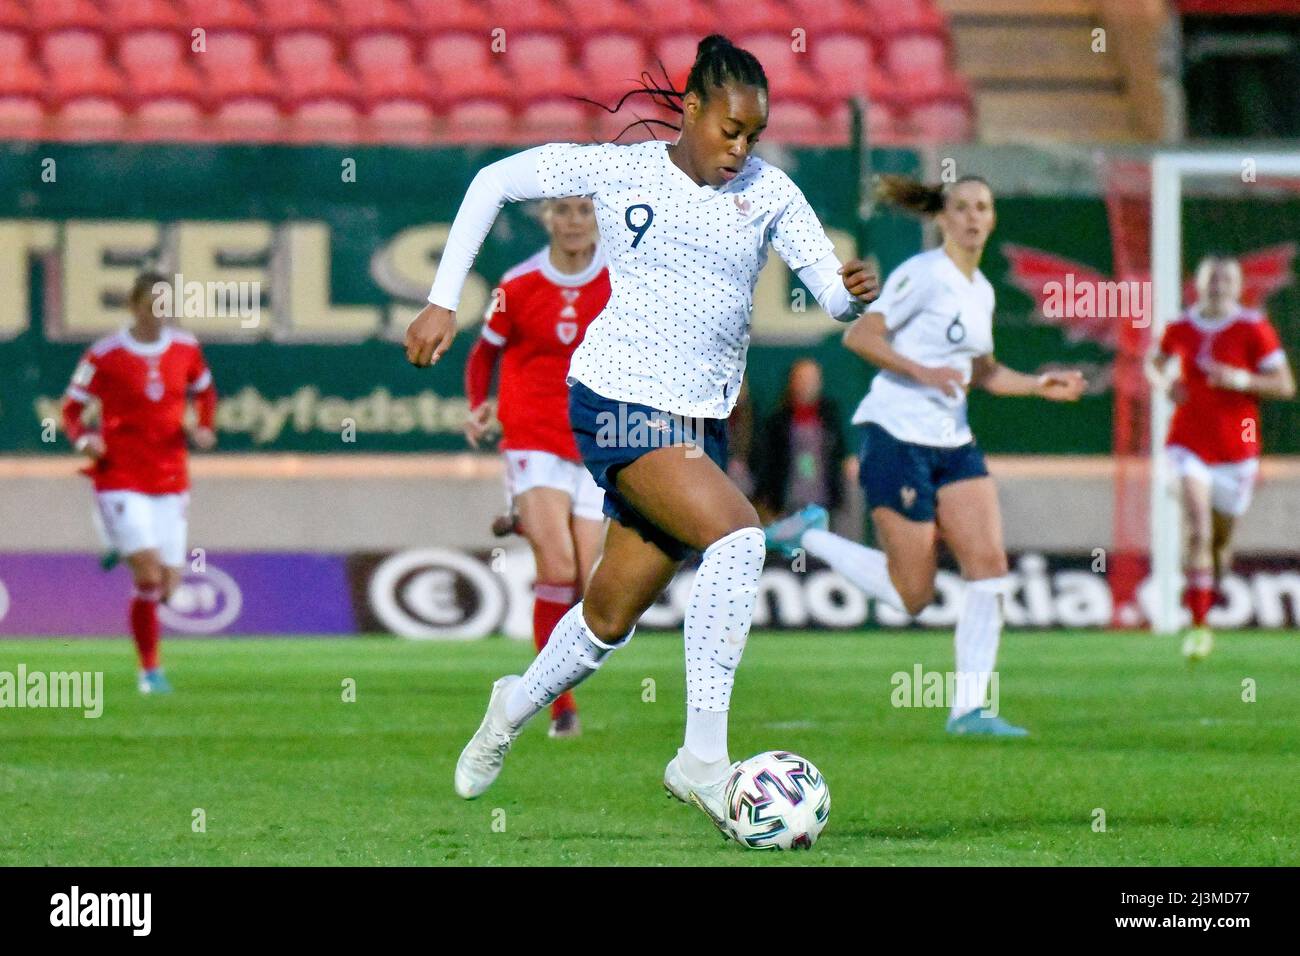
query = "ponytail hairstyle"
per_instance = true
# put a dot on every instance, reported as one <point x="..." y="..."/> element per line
<point x="718" y="62"/>
<point x="912" y="195"/>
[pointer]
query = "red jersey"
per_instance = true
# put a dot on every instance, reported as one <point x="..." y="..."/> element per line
<point x="142" y="389"/>
<point x="538" y="318"/>
<point x="1215" y="423"/>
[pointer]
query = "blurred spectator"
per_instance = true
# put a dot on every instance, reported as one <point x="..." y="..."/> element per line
<point x="801" y="458"/>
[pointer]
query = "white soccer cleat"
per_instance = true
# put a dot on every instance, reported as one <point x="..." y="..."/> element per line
<point x="480" y="762"/>
<point x="1198" y="644"/>
<point x="708" y="797"/>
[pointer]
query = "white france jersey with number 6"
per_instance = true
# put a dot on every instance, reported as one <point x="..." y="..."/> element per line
<point x="934" y="316"/>
<point x="683" y="261"/>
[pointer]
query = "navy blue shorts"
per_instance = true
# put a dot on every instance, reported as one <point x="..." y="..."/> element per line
<point x="612" y="435"/>
<point x="906" y="477"/>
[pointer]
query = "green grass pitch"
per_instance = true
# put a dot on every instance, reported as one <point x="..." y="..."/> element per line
<point x="258" y="737"/>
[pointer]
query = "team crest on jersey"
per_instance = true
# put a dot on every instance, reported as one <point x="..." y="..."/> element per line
<point x="566" y="332"/>
<point x="153" y="388"/>
<point x="908" y="496"/>
<point x="569" y="312"/>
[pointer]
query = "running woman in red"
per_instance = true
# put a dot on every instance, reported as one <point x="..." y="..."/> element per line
<point x="537" y="317"/>
<point x="142" y="377"/>
<point x="1229" y="357"/>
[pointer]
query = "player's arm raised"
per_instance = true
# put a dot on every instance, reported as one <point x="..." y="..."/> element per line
<point x="1062" y="385"/>
<point x="514" y="179"/>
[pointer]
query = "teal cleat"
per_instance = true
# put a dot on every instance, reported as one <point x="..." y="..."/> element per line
<point x="974" y="723"/>
<point x="153" y="682"/>
<point x="110" y="559"/>
<point x="784" y="535"/>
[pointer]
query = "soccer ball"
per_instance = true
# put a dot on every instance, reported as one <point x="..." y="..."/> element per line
<point x="777" y="801"/>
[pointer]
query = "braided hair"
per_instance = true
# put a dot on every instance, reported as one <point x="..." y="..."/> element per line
<point x="718" y="62"/>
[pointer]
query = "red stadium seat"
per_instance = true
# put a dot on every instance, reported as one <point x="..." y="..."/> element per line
<point x="680" y="16"/>
<point x="595" y="17"/>
<point x="149" y="49"/>
<point x="480" y="120"/>
<point x="539" y="64"/>
<point x="792" y="120"/>
<point x="677" y="53"/>
<point x="753" y="16"/>
<point x="521" y="15"/>
<point x="943" y="122"/>
<point x="219" y="15"/>
<point x="443" y="16"/>
<point x="47" y="15"/>
<point x="614" y="63"/>
<point x="234" y="69"/>
<point x="609" y="126"/>
<point x="125" y="16"/>
<point x="787" y="71"/>
<point x="308" y="69"/>
<point x="156" y="66"/>
<point x="556" y="119"/>
<point x="891" y="18"/>
<point x="231" y="50"/>
<point x="385" y="66"/>
<point x="74" y="61"/>
<point x="90" y="118"/>
<point x="456" y="52"/>
<point x="14" y="16"/>
<point x="401" y="121"/>
<point x="325" y="121"/>
<point x="13" y="45"/>
<point x="176" y="81"/>
<point x="72" y="48"/>
<point x="463" y="66"/>
<point x="248" y="120"/>
<point x="884" y="124"/>
<point x="21" y="117"/>
<point x="827" y="18"/>
<point x="365" y="16"/>
<point x="918" y="63"/>
<point x="301" y="49"/>
<point x="22" y="78"/>
<point x="845" y="68"/>
<point x="839" y="55"/>
<point x="168" y="119"/>
<point x="285" y="16"/>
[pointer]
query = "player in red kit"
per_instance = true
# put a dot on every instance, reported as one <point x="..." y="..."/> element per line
<point x="1229" y="357"/>
<point x="143" y="377"/>
<point x="537" y="317"/>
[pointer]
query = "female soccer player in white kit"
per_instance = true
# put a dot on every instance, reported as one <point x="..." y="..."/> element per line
<point x="931" y="335"/>
<point x="685" y="228"/>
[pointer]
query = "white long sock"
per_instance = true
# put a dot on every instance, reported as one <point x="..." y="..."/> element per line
<point x="979" y="626"/>
<point x="571" y="655"/>
<point x="718" y="615"/>
<point x="865" y="568"/>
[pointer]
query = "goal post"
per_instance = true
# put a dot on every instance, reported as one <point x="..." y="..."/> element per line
<point x="1170" y="173"/>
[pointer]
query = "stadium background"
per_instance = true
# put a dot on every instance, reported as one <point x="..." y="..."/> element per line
<point x="326" y="168"/>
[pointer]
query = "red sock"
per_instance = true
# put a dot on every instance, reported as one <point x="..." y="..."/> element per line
<point x="1199" y="596"/>
<point x="550" y="603"/>
<point x="144" y="625"/>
